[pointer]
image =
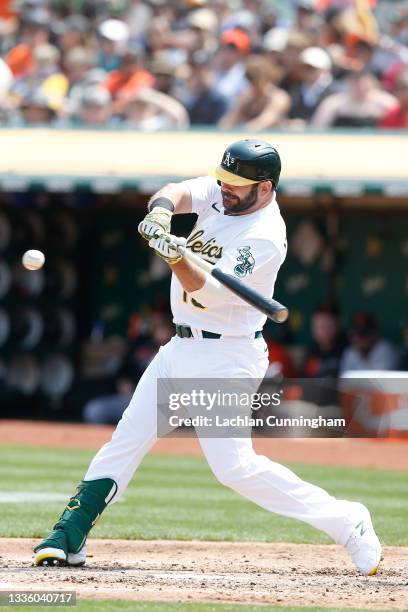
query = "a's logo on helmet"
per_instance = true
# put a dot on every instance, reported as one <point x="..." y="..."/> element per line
<point x="228" y="160"/>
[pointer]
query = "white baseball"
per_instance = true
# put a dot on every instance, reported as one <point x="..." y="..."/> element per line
<point x="33" y="260"/>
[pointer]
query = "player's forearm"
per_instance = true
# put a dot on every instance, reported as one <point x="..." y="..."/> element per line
<point x="191" y="277"/>
<point x="178" y="194"/>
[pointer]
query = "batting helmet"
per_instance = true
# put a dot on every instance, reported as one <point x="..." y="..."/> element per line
<point x="249" y="161"/>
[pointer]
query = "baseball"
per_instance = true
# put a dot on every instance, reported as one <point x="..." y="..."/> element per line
<point x="33" y="260"/>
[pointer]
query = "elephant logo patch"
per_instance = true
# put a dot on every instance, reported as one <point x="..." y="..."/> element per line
<point x="246" y="262"/>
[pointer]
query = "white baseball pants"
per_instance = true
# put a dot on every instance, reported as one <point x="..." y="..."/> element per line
<point x="233" y="460"/>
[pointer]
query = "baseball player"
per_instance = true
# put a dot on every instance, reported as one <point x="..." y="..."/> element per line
<point x="240" y="229"/>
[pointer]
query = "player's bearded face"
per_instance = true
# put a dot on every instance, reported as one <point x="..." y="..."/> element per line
<point x="238" y="199"/>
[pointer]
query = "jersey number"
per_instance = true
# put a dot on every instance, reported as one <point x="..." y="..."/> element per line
<point x="192" y="300"/>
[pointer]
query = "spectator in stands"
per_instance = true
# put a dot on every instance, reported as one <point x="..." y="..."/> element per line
<point x="315" y="45"/>
<point x="307" y="20"/>
<point x="262" y="105"/>
<point x="399" y="24"/>
<point x="289" y="60"/>
<point x="229" y="64"/>
<point x="362" y="54"/>
<point x="138" y="17"/>
<point x="205" y="104"/>
<point x="72" y="32"/>
<point x="274" y="43"/>
<point x="397" y="116"/>
<point x="202" y="26"/>
<point x="141" y="350"/>
<point x="44" y="75"/>
<point x="35" y="109"/>
<point x="248" y="21"/>
<point x="163" y="68"/>
<point x="150" y="110"/>
<point x="77" y="63"/>
<point x="113" y="35"/>
<point x="94" y="108"/>
<point x="34" y="30"/>
<point x="194" y="32"/>
<point x="80" y="69"/>
<point x="329" y="342"/>
<point x="367" y="351"/>
<point x="316" y="83"/>
<point x="362" y="104"/>
<point x="124" y="82"/>
<point x="157" y="35"/>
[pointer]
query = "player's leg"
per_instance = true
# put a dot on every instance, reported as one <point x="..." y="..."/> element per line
<point x="272" y="485"/>
<point x="277" y="489"/>
<point x="108" y="474"/>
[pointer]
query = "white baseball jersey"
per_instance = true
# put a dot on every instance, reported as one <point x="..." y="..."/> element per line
<point x="250" y="247"/>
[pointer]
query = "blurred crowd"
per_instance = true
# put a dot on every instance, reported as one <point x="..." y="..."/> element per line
<point x="331" y="354"/>
<point x="168" y="64"/>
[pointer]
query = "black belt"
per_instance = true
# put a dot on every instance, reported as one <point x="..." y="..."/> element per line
<point x="184" y="331"/>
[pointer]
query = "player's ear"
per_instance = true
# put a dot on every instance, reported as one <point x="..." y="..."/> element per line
<point x="266" y="187"/>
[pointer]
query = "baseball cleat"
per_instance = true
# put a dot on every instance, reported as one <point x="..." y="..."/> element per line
<point x="50" y="557"/>
<point x="55" y="557"/>
<point x="77" y="559"/>
<point x="363" y="544"/>
<point x="53" y="550"/>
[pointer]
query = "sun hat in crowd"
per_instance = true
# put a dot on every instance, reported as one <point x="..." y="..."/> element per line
<point x="275" y="39"/>
<point x="114" y="30"/>
<point x="203" y="19"/>
<point x="315" y="57"/>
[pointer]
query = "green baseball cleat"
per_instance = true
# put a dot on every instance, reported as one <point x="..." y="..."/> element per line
<point x="51" y="556"/>
<point x="53" y="550"/>
<point x="66" y="544"/>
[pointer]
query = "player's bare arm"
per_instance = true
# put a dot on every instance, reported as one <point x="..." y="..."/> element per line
<point x="171" y="199"/>
<point x="178" y="194"/>
<point x="177" y="198"/>
<point x="189" y="275"/>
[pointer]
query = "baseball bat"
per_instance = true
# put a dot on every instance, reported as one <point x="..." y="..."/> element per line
<point x="271" y="308"/>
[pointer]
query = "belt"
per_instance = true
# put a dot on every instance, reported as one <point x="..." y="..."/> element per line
<point x="184" y="331"/>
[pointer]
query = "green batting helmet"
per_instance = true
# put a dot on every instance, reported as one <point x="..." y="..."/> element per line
<point x="249" y="161"/>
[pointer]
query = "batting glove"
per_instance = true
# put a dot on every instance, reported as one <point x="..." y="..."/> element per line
<point x="166" y="246"/>
<point x="155" y="223"/>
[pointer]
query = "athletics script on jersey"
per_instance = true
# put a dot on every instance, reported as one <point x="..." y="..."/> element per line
<point x="209" y="249"/>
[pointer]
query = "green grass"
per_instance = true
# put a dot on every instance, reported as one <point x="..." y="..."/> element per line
<point x="108" y="605"/>
<point x="179" y="498"/>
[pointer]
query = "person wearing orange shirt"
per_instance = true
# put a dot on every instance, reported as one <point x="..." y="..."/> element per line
<point x="124" y="82"/>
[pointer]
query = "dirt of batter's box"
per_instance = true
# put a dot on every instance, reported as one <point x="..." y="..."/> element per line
<point x="245" y="573"/>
